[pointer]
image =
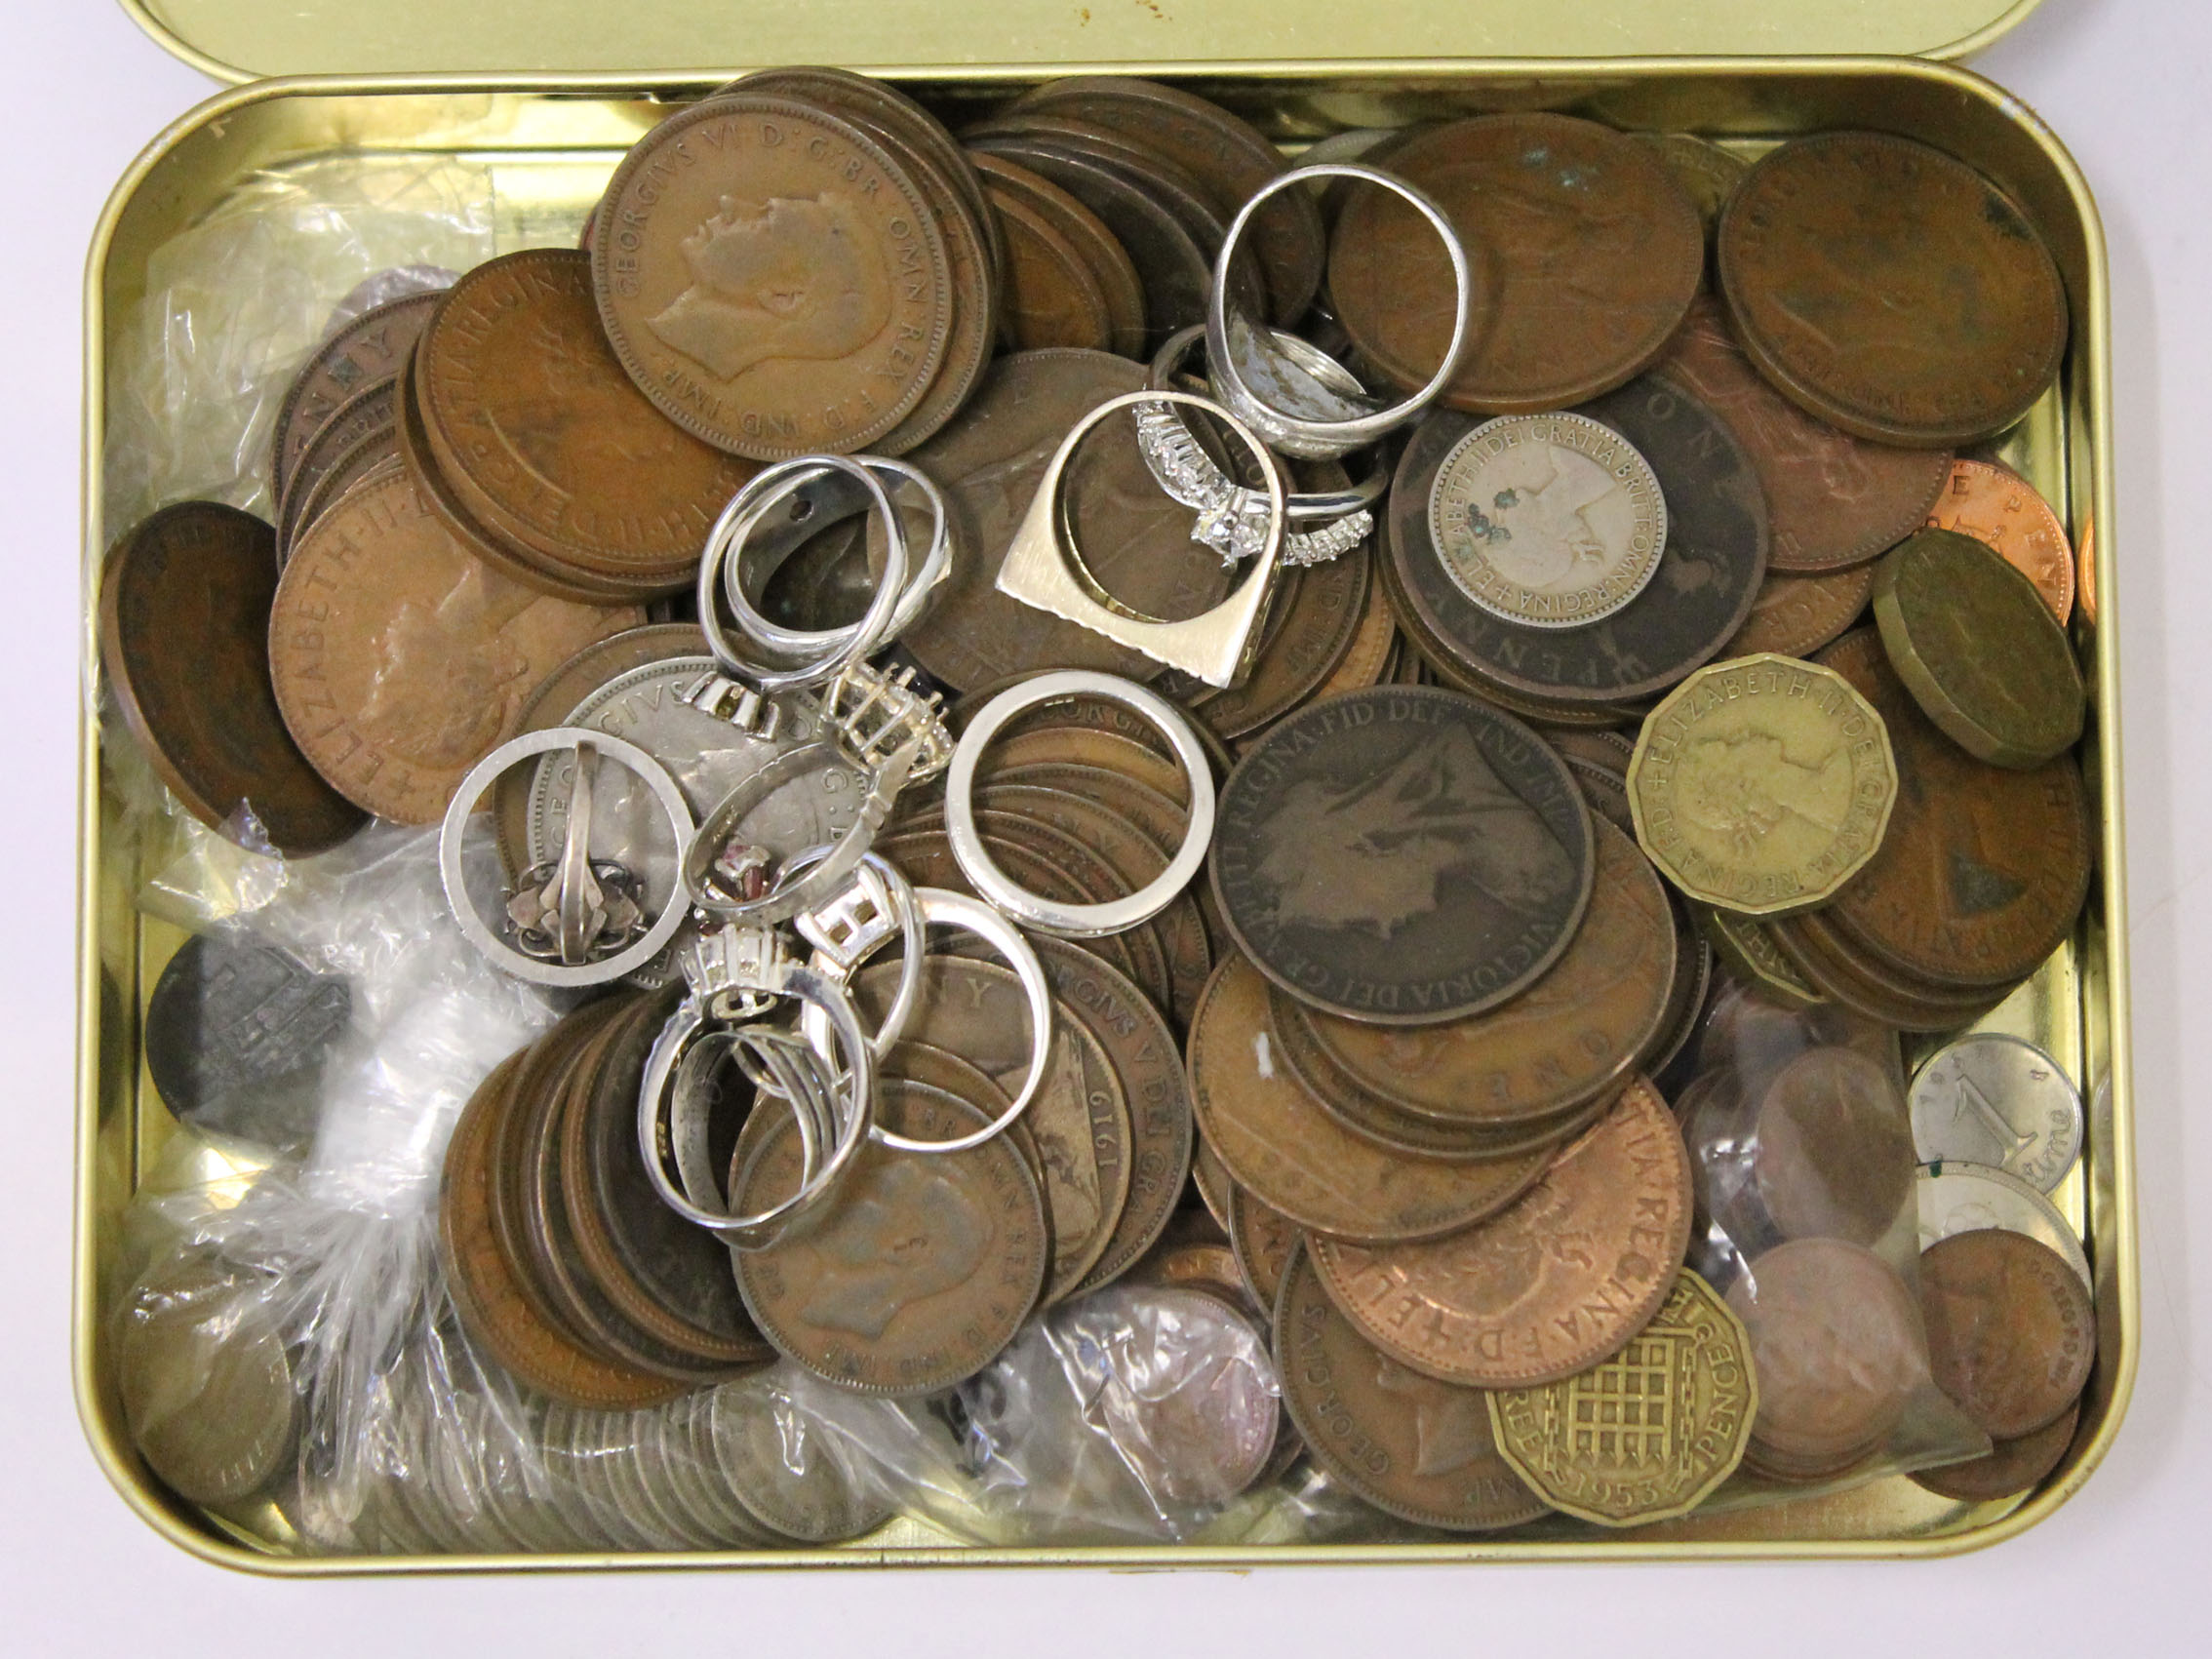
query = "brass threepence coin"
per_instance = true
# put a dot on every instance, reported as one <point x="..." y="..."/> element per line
<point x="2009" y="1467"/>
<point x="1763" y="784"/>
<point x="1548" y="1288"/>
<point x="362" y="353"/>
<point x="1995" y="505"/>
<point x="772" y="278"/>
<point x="1979" y="650"/>
<point x="1552" y="520"/>
<point x="1795" y="615"/>
<point x="185" y="638"/>
<point x="2012" y="1331"/>
<point x="1751" y="954"/>
<point x="917" y="1272"/>
<point x="1891" y="289"/>
<point x="1010" y="187"/>
<point x="1834" y="1153"/>
<point x="1994" y="1099"/>
<point x="1589" y="253"/>
<point x="1647" y="1434"/>
<point x="1403" y="855"/>
<point x="1832" y="500"/>
<point x="1412" y="1446"/>
<point x="400" y="661"/>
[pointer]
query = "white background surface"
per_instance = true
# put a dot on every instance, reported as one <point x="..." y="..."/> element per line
<point x="2120" y="1570"/>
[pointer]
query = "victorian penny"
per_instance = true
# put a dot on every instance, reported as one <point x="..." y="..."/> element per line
<point x="1834" y="1153"/>
<point x="1262" y="1241"/>
<point x="1587" y="251"/>
<point x="367" y="349"/>
<point x="1402" y="856"/>
<point x="1795" y="615"/>
<point x="771" y="279"/>
<point x="1052" y="298"/>
<point x="1891" y="289"/>
<point x="399" y="660"/>
<point x="1831" y="499"/>
<point x="1975" y="644"/>
<point x="1995" y="505"/>
<point x="1551" y="1285"/>
<point x="2009" y="1467"/>
<point x="1415" y="1448"/>
<point x="1103" y="257"/>
<point x="186" y="649"/>
<point x="917" y="1272"/>
<point x="2012" y="1331"/>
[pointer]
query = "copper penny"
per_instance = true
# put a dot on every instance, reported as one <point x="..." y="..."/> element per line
<point x="1831" y="499"/>
<point x="1795" y="615"/>
<point x="1052" y="298"/>
<point x="372" y="457"/>
<point x="1891" y="289"/>
<point x="1709" y="172"/>
<point x="399" y="660"/>
<point x="1103" y="254"/>
<point x="771" y="279"/>
<point x="1587" y="253"/>
<point x="2009" y="1467"/>
<point x="2012" y="1331"/>
<point x="1833" y="1156"/>
<point x="1412" y="1446"/>
<point x="1835" y="966"/>
<point x="917" y="1272"/>
<point x="1994" y="504"/>
<point x="367" y="349"/>
<point x="1093" y="750"/>
<point x="184" y="647"/>
<point x="1211" y="1181"/>
<point x="1263" y="1241"/>
<point x="371" y="411"/>
<point x="1550" y="1287"/>
<point x="1367" y="659"/>
<point x="1318" y="629"/>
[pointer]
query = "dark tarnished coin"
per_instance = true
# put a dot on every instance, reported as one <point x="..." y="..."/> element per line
<point x="367" y="349"/>
<point x="1831" y="499"/>
<point x="207" y="1392"/>
<point x="1709" y="172"/>
<point x="2008" y="1468"/>
<point x="1834" y="1153"/>
<point x="1412" y="1446"/>
<point x="1103" y="254"/>
<point x="1891" y="289"/>
<point x="1842" y="971"/>
<point x="185" y="648"/>
<point x="1403" y="855"/>
<point x="772" y="278"/>
<point x="229" y="1024"/>
<point x="1325" y="611"/>
<point x="1368" y="659"/>
<point x="1587" y="251"/>
<point x="1795" y="615"/>
<point x="921" y="1268"/>
<point x="2012" y="1331"/>
<point x="1978" y="647"/>
<point x="1995" y="505"/>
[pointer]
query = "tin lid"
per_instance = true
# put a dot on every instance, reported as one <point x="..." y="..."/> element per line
<point x="703" y="40"/>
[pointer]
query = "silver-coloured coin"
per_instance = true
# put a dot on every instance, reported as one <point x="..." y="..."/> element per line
<point x="639" y="1490"/>
<point x="1965" y="1197"/>
<point x="690" y="1425"/>
<point x="1994" y="1099"/>
<point x="591" y="1454"/>
<point x="666" y="1457"/>
<point x="781" y="1468"/>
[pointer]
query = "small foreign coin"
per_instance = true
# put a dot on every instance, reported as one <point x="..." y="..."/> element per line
<point x="1997" y="1099"/>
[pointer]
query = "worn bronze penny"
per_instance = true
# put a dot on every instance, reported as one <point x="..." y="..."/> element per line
<point x="362" y="352"/>
<point x="1053" y="299"/>
<point x="1841" y="970"/>
<point x="772" y="278"/>
<point x="1368" y="659"/>
<point x="1795" y="615"/>
<point x="1587" y="253"/>
<point x="371" y="411"/>
<point x="1101" y="253"/>
<point x="1403" y="855"/>
<point x="1556" y="1283"/>
<point x="917" y="1272"/>
<point x="374" y="454"/>
<point x="1263" y="1241"/>
<point x="1891" y="289"/>
<point x="1318" y="629"/>
<point x="2012" y="1331"/>
<point x="1994" y="504"/>
<point x="2009" y="1467"/>
<point x="1701" y="166"/>
<point x="1834" y="1155"/>
<point x="184" y="647"/>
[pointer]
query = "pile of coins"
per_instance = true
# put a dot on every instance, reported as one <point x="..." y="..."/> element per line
<point x="1531" y="566"/>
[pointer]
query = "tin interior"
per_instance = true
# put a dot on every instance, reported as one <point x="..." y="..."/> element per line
<point x="549" y="148"/>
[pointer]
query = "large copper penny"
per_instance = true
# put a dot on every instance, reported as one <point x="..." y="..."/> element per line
<point x="1412" y="1446"/>
<point x="1587" y="254"/>
<point x="921" y="1268"/>
<point x="1052" y="298"/>
<point x="1795" y="615"/>
<point x="1994" y="504"/>
<point x="1554" y="1285"/>
<point x="400" y="661"/>
<point x="2009" y="1467"/>
<point x="1833" y="1156"/>
<point x="1891" y="289"/>
<point x="1262" y="1241"/>
<point x="2012" y="1331"/>
<point x="362" y="352"/>
<point x="371" y="411"/>
<point x="771" y="279"/>
<point x="1327" y="609"/>
<point x="1010" y="187"/>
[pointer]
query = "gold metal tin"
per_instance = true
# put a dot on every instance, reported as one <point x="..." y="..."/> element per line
<point x="552" y="139"/>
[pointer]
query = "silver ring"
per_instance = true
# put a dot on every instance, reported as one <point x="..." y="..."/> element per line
<point x="1326" y="440"/>
<point x="897" y="898"/>
<point x="824" y="879"/>
<point x="480" y="777"/>
<point x="1077" y="920"/>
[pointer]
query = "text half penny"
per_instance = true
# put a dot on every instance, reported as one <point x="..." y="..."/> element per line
<point x="2012" y="1331"/>
<point x="771" y="279"/>
<point x="367" y="349"/>
<point x="399" y="660"/>
<point x="1995" y="505"/>
<point x="1412" y="1446"/>
<point x="1403" y="855"/>
<point x="1551" y="1285"/>
<point x="184" y="640"/>
<point x="1795" y="615"/>
<point x="1274" y="1137"/>
<point x="917" y="1272"/>
<point x="1587" y="251"/>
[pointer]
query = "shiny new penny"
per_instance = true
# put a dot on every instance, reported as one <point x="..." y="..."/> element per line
<point x="1552" y="520"/>
<point x="1795" y="615"/>
<point x="1891" y="289"/>
<point x="921" y="1268"/>
<point x="1995" y="505"/>
<point x="362" y="352"/>
<point x="1833" y="1156"/>
<point x="2012" y="1331"/>
<point x="1970" y="636"/>
<point x="1563" y="1041"/>
<point x="1763" y="784"/>
<point x="1550" y="1287"/>
<point x="1837" y="1343"/>
<point x="1412" y="1446"/>
<point x="1832" y="500"/>
<point x="1274" y="1138"/>
<point x="400" y="661"/>
<point x="207" y="1392"/>
<point x="184" y="647"/>
<point x="771" y="278"/>
<point x="2009" y="1467"/>
<point x="1587" y="253"/>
